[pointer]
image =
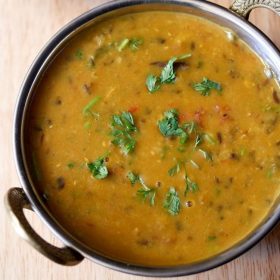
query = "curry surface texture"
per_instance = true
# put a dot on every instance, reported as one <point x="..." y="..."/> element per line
<point x="194" y="171"/>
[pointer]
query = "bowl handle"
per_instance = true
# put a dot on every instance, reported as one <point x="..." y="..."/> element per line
<point x="244" y="7"/>
<point x="15" y="201"/>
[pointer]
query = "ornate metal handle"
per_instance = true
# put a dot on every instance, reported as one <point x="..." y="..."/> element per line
<point x="15" y="202"/>
<point x="244" y="7"/>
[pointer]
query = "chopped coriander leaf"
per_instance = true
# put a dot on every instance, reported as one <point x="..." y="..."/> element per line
<point x="206" y="154"/>
<point x="71" y="165"/>
<point x="212" y="237"/>
<point x="209" y="138"/>
<point x="206" y="86"/>
<point x="133" y="178"/>
<point x="122" y="44"/>
<point x="190" y="126"/>
<point x="183" y="137"/>
<point x="194" y="164"/>
<point x="88" y="107"/>
<point x="146" y="192"/>
<point x="183" y="56"/>
<point x="98" y="168"/>
<point x="135" y="43"/>
<point x="243" y="151"/>
<point x="99" y="52"/>
<point x="125" y="121"/>
<point x="271" y="171"/>
<point x="87" y="125"/>
<point x="152" y="83"/>
<point x="190" y="186"/>
<point x="198" y="140"/>
<point x="132" y="43"/>
<point x="167" y="76"/>
<point x="122" y="129"/>
<point x="124" y="141"/>
<point x="169" y="125"/>
<point x="172" y="202"/>
<point x="79" y="54"/>
<point x="175" y="169"/>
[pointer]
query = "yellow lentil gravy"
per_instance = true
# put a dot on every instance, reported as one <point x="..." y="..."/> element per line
<point x="156" y="144"/>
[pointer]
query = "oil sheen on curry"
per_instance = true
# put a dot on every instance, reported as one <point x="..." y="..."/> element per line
<point x="157" y="144"/>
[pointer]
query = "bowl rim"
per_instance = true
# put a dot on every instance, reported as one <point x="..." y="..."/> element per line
<point x="37" y="206"/>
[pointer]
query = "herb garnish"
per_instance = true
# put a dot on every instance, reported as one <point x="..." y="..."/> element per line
<point x="172" y="202"/>
<point x="212" y="237"/>
<point x="99" y="52"/>
<point x="87" y="109"/>
<point x="133" y="178"/>
<point x="123" y="128"/>
<point x="153" y="83"/>
<point x="175" y="169"/>
<point x="169" y="126"/>
<point x="206" y="86"/>
<point x="198" y="140"/>
<point x="194" y="164"/>
<point x="206" y="154"/>
<point x="190" y="186"/>
<point x="123" y="43"/>
<point x="132" y="43"/>
<point x="146" y="192"/>
<point x="71" y="165"/>
<point x="79" y="54"/>
<point x="167" y="76"/>
<point x="209" y="138"/>
<point x="98" y="168"/>
<point x="191" y="127"/>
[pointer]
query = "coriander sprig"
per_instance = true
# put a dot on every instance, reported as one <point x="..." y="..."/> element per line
<point x="123" y="129"/>
<point x="190" y="186"/>
<point x="172" y="202"/>
<point x="132" y="43"/>
<point x="206" y="86"/>
<point x="169" y="126"/>
<point x="145" y="192"/>
<point x="98" y="168"/>
<point x="206" y="155"/>
<point x="175" y="169"/>
<point x="167" y="76"/>
<point x="133" y="178"/>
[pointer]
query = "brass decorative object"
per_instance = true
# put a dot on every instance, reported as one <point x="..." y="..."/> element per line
<point x="15" y="202"/>
<point x="244" y="7"/>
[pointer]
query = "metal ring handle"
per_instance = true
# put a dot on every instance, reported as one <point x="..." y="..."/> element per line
<point x="244" y="7"/>
<point x="15" y="202"/>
